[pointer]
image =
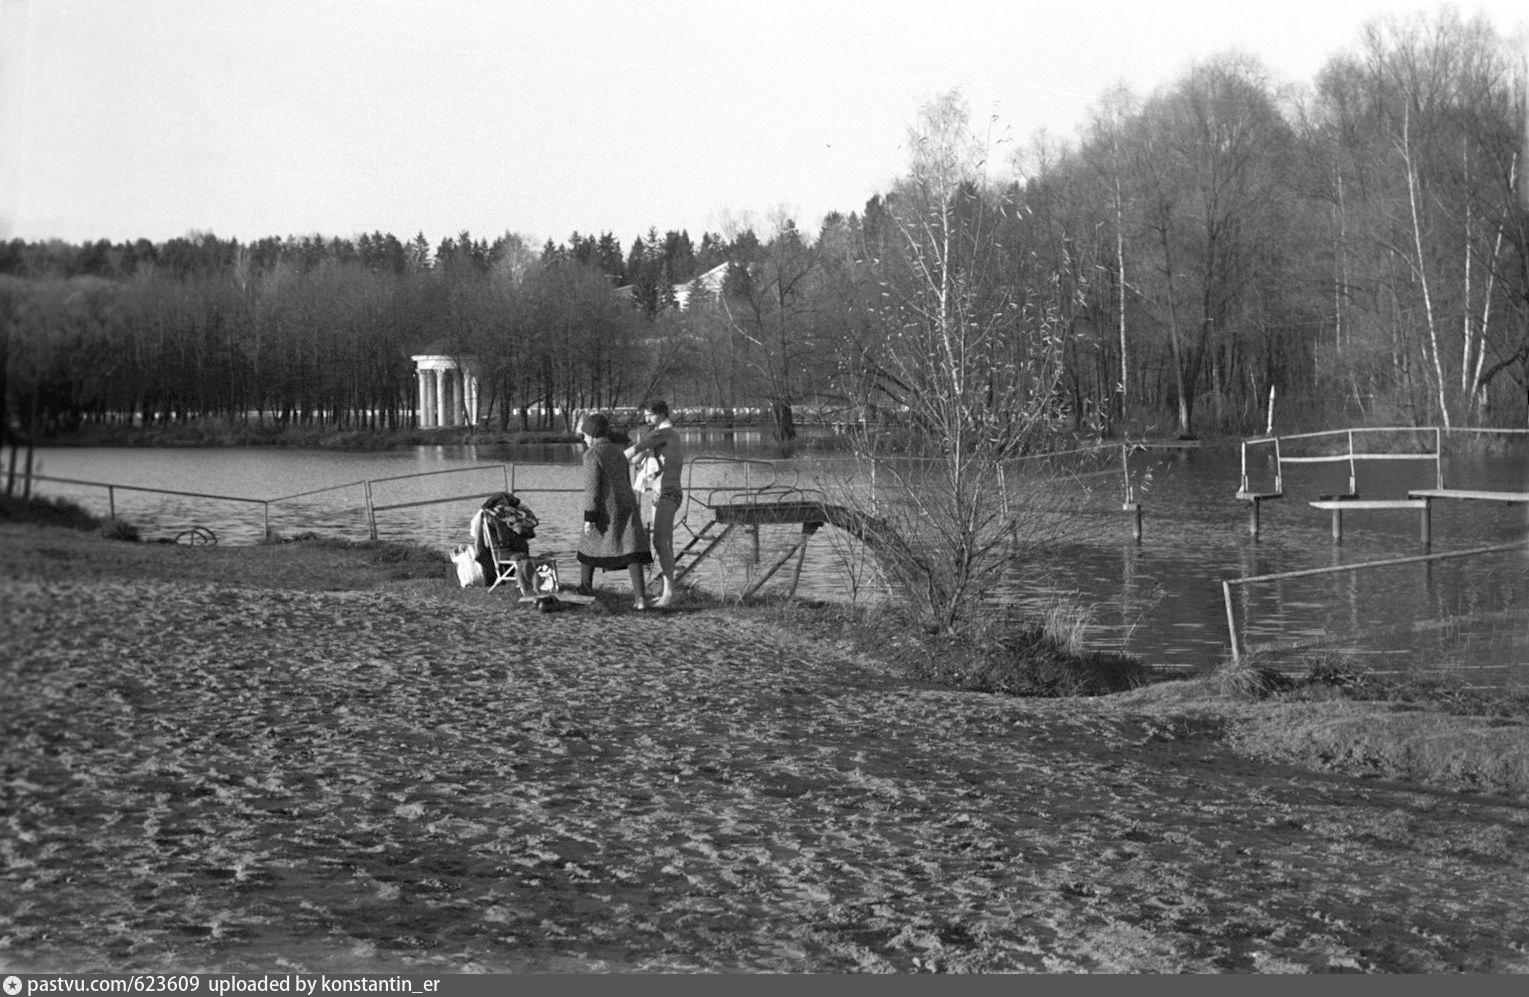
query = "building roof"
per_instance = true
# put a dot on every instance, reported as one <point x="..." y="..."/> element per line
<point x="711" y="280"/>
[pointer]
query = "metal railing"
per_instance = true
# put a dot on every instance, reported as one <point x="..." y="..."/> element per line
<point x="112" y="489"/>
<point x="1226" y="585"/>
<point x="370" y="506"/>
<point x="1351" y="455"/>
<point x="756" y="475"/>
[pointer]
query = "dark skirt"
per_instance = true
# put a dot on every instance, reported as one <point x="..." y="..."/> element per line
<point x="616" y="563"/>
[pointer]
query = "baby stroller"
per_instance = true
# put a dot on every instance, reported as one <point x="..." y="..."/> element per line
<point x="500" y="531"/>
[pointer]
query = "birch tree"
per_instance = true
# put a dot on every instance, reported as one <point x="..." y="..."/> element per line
<point x="967" y="369"/>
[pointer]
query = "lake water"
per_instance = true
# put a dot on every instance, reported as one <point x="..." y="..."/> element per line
<point x="1160" y="598"/>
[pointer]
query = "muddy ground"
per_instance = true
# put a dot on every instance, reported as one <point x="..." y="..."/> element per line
<point x="312" y="759"/>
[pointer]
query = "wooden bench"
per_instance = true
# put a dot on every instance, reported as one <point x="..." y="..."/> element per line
<point x="1339" y="506"/>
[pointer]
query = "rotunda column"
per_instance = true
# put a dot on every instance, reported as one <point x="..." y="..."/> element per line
<point x="442" y="397"/>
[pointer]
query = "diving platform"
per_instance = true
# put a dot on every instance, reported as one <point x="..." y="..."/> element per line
<point x="1341" y="504"/>
<point x="764" y="510"/>
<point x="1421" y="499"/>
<point x="762" y="513"/>
<point x="1408" y="444"/>
<point x="1469" y="495"/>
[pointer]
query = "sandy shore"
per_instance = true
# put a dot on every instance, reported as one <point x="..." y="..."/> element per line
<point x="293" y="759"/>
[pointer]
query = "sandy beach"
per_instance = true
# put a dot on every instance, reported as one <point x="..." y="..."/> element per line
<point x="304" y="759"/>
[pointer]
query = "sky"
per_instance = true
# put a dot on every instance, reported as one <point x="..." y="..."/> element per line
<point x="127" y="119"/>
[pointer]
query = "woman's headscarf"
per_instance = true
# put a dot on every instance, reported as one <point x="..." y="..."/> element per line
<point x="596" y="425"/>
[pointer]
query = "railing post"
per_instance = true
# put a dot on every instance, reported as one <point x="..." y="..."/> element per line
<point x="266" y="505"/>
<point x="801" y="555"/>
<point x="111" y="501"/>
<point x="1428" y="559"/>
<point x="1353" y="478"/>
<point x="1231" y="619"/>
<point x="371" y="513"/>
<point x="1438" y="460"/>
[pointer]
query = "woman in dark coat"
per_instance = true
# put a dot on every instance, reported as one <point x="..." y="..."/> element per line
<point x="613" y="534"/>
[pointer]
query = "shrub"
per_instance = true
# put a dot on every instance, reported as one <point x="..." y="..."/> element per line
<point x="117" y="529"/>
<point x="1247" y="678"/>
<point x="1006" y="653"/>
<point x="1335" y="669"/>
<point x="47" y="512"/>
<point x="1322" y="674"/>
<point x="1340" y="674"/>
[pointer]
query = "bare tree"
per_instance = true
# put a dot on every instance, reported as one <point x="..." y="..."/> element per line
<point x="768" y="297"/>
<point x="965" y="371"/>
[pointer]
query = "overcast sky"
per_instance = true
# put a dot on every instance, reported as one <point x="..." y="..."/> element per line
<point x="122" y="119"/>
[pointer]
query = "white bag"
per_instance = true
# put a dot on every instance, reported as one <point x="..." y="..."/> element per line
<point x="469" y="571"/>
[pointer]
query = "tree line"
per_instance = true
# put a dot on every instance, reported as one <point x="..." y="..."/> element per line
<point x="1355" y="248"/>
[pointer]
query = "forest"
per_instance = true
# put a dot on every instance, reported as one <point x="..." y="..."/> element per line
<point x="1349" y="250"/>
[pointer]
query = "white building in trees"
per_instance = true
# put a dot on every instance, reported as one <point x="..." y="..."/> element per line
<point x="449" y="390"/>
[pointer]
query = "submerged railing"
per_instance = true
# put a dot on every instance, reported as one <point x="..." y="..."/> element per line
<point x="1352" y="454"/>
<point x="1349" y="455"/>
<point x="1227" y="584"/>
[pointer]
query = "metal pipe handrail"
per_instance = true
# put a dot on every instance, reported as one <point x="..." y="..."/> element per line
<point x="372" y="508"/>
<point x="419" y="502"/>
<point x="448" y="470"/>
<point x="145" y="488"/>
<point x="1226" y="584"/>
<point x="1436" y="430"/>
<point x="1330" y="458"/>
<point x="320" y="491"/>
<point x="1336" y="432"/>
<point x="111" y="495"/>
<point x="1348" y="455"/>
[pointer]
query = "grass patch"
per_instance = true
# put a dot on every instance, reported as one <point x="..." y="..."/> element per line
<point x="1018" y="657"/>
<point x="1001" y="651"/>
<point x="1341" y="675"/>
<point x="46" y="512"/>
<point x="305" y="561"/>
<point x="64" y="514"/>
<point x="394" y="560"/>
